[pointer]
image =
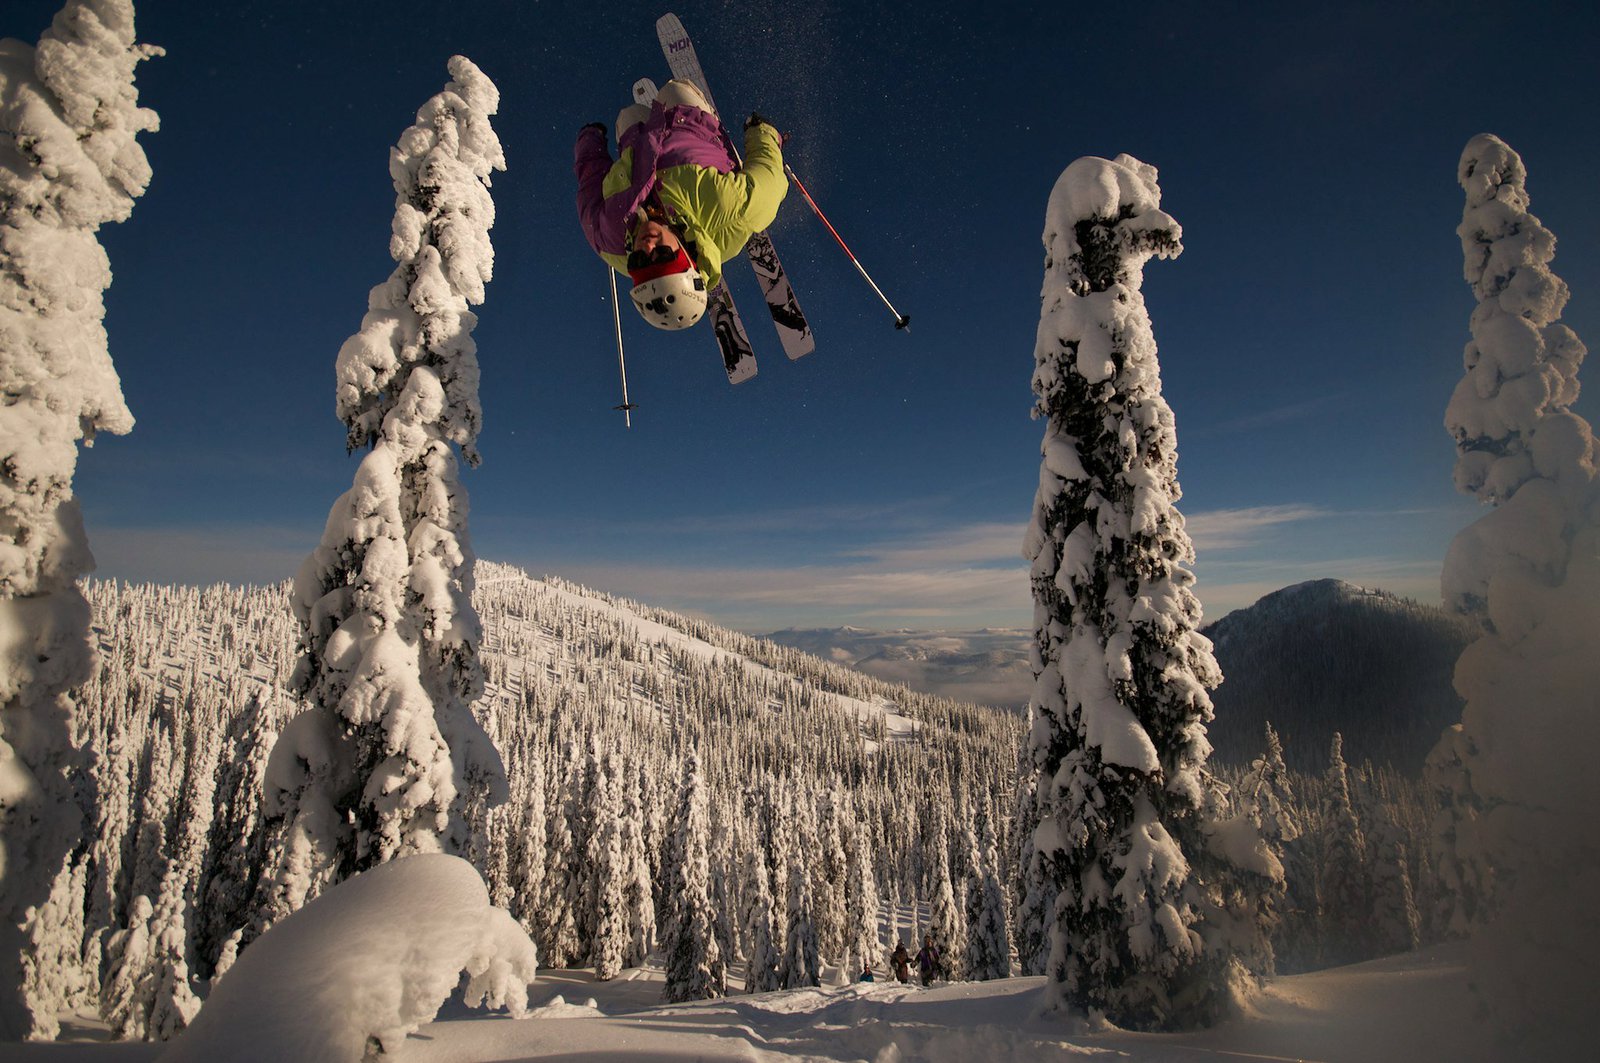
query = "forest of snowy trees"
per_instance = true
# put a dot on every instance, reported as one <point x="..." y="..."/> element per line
<point x="634" y="786"/>
<point x="848" y="813"/>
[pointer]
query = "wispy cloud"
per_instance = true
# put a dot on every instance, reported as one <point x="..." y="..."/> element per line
<point x="1278" y="415"/>
<point x="874" y="566"/>
<point x="1232" y="529"/>
<point x="966" y="575"/>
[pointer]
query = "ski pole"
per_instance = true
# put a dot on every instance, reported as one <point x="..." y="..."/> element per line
<point x="901" y="321"/>
<point x="627" y="407"/>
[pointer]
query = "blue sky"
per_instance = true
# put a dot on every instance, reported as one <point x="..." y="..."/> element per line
<point x="1310" y="334"/>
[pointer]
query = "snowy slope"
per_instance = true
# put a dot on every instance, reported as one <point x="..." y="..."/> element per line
<point x="868" y="710"/>
<point x="1404" y="1009"/>
<point x="1409" y="1008"/>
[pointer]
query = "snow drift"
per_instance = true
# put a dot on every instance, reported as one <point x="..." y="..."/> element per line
<point x="370" y="960"/>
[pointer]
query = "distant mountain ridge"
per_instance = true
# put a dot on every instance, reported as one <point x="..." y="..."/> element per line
<point x="988" y="666"/>
<point x="1313" y="658"/>
<point x="1328" y="656"/>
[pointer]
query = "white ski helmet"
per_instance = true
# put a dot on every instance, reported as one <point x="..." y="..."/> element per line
<point x="669" y="292"/>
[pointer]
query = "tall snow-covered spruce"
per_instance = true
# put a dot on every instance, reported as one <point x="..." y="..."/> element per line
<point x="390" y="648"/>
<point x="695" y="966"/>
<point x="70" y="162"/>
<point x="1120" y="705"/>
<point x="1520" y="762"/>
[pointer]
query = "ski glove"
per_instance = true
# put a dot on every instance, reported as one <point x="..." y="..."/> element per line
<point x="595" y="125"/>
<point x="755" y="119"/>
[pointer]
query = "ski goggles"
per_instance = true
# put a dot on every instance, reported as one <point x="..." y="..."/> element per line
<point x="648" y="265"/>
<point x="660" y="255"/>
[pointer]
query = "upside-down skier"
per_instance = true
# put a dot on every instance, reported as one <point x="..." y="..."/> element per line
<point x="675" y="205"/>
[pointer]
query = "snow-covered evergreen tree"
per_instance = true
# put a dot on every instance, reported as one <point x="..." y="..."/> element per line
<point x="694" y="964"/>
<point x="609" y="944"/>
<point x="947" y="921"/>
<point x="1529" y="570"/>
<point x="157" y="814"/>
<point x="70" y="162"/>
<point x="1396" y="922"/>
<point x="638" y="891"/>
<point x="828" y="876"/>
<point x="54" y="977"/>
<point x="1266" y="796"/>
<point x="861" y="904"/>
<point x="1345" y="890"/>
<point x="125" y="992"/>
<point x="988" y="932"/>
<point x="762" y="973"/>
<point x="1120" y="702"/>
<point x="171" y="1001"/>
<point x="802" y="964"/>
<point x="561" y="942"/>
<point x="390" y="651"/>
<point x="1466" y="878"/>
<point x="237" y="840"/>
<point x="1036" y="889"/>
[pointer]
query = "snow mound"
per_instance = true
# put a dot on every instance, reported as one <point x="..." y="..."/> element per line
<point x="558" y="1008"/>
<point x="370" y="960"/>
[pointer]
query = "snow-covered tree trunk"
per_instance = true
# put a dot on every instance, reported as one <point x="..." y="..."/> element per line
<point x="391" y="638"/>
<point x="1120" y="703"/>
<point x="1529" y="570"/>
<point x="70" y="162"/>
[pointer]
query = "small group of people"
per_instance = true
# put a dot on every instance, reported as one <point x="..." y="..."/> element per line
<point x="929" y="965"/>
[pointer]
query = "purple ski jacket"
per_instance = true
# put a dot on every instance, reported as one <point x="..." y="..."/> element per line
<point x="682" y="157"/>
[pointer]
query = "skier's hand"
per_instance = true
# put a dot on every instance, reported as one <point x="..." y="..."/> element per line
<point x="596" y="125"/>
<point x="755" y="119"/>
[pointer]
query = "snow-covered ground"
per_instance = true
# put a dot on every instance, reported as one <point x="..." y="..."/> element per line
<point x="1410" y="1008"/>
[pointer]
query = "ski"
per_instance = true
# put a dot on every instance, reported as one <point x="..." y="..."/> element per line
<point x="793" y="329"/>
<point x="738" y="356"/>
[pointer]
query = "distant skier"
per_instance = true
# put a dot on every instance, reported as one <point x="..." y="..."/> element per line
<point x="866" y="973"/>
<point x="902" y="962"/>
<point x="928" y="961"/>
<point x="674" y="206"/>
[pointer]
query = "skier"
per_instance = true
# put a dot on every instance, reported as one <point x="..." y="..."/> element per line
<point x="866" y="973"/>
<point x="673" y="206"/>
<point x="902" y="962"/>
<point x="928" y="961"/>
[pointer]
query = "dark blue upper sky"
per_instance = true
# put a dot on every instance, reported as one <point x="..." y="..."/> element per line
<point x="1310" y="334"/>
